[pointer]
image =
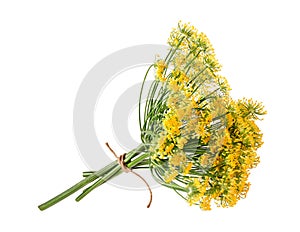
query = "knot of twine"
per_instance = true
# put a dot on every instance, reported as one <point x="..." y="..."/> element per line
<point x="124" y="167"/>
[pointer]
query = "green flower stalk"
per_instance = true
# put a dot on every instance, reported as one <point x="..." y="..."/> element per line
<point x="196" y="139"/>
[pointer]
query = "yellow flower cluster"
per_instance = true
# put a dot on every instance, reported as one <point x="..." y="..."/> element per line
<point x="207" y="142"/>
<point x="228" y="172"/>
<point x="198" y="47"/>
<point x="160" y="68"/>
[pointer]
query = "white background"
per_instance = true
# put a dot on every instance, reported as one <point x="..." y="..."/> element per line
<point x="46" y="49"/>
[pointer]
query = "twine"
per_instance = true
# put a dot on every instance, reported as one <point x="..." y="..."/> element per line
<point x="124" y="167"/>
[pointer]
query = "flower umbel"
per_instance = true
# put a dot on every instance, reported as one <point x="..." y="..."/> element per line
<point x="215" y="136"/>
<point x="195" y="138"/>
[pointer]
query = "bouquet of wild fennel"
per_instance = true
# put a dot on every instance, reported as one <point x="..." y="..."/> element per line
<point x="196" y="140"/>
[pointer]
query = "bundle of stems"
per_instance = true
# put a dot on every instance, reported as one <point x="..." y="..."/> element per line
<point x="195" y="139"/>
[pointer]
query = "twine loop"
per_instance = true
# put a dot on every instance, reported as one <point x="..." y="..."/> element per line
<point x="121" y="161"/>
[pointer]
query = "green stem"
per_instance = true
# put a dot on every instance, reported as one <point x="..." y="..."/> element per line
<point x="138" y="160"/>
<point x="197" y="75"/>
<point x="103" y="170"/>
<point x="192" y="60"/>
<point x="76" y="187"/>
<point x="114" y="172"/>
<point x="87" y="173"/>
<point x="141" y="148"/>
<point x="111" y="170"/>
<point x="140" y="97"/>
<point x="172" y="54"/>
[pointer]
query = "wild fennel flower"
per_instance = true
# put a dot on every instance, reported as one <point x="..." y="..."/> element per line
<point x="195" y="138"/>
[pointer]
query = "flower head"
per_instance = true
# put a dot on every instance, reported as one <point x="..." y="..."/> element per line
<point x="203" y="143"/>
